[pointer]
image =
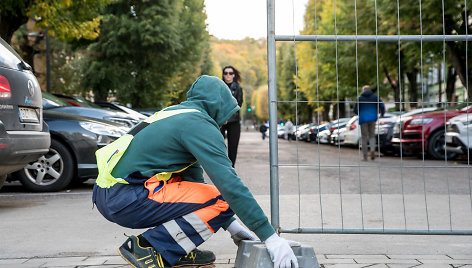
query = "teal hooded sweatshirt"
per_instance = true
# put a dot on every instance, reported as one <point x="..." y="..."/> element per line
<point x="175" y="142"/>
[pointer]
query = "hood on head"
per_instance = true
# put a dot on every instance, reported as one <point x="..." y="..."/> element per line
<point x="211" y="94"/>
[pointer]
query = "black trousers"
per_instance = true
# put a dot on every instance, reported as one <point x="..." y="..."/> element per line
<point x="232" y="131"/>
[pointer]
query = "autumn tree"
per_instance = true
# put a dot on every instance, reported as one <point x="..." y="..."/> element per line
<point x="147" y="54"/>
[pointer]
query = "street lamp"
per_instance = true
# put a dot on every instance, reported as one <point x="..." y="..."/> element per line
<point x="48" y="72"/>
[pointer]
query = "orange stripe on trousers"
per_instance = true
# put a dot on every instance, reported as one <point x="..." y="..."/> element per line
<point x="176" y="191"/>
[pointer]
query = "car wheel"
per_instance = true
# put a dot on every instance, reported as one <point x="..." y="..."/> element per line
<point x="51" y="172"/>
<point x="436" y="146"/>
<point x="3" y="178"/>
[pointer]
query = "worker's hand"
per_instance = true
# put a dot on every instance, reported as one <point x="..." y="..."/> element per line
<point x="242" y="235"/>
<point x="280" y="251"/>
<point x="239" y="233"/>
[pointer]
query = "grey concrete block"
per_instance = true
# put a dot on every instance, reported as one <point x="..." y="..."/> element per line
<point x="254" y="254"/>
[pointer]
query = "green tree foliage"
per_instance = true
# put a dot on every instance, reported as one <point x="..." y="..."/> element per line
<point x="66" y="19"/>
<point x="333" y="71"/>
<point x="148" y="52"/>
<point x="249" y="56"/>
<point x="287" y="86"/>
<point x="260" y="100"/>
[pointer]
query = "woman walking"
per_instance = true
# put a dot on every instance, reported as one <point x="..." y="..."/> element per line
<point x="232" y="129"/>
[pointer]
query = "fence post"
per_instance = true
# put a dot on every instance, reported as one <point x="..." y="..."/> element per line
<point x="274" y="169"/>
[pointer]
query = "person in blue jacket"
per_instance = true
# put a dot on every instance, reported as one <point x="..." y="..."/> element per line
<point x="367" y="107"/>
<point x="152" y="177"/>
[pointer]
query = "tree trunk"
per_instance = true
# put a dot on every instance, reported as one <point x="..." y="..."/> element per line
<point x="450" y="83"/>
<point x="9" y="24"/>
<point x="325" y="114"/>
<point x="458" y="62"/>
<point x="413" y="89"/>
<point x="396" y="94"/>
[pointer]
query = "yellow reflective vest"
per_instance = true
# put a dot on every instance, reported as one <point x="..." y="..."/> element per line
<point x="110" y="155"/>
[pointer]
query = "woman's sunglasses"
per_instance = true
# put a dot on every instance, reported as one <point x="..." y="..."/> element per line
<point x="226" y="73"/>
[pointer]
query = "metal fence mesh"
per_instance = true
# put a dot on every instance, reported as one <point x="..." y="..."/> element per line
<point x="334" y="191"/>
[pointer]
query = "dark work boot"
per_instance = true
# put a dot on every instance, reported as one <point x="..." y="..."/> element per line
<point x="197" y="258"/>
<point x="141" y="257"/>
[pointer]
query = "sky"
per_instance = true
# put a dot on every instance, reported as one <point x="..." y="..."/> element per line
<point x="238" y="19"/>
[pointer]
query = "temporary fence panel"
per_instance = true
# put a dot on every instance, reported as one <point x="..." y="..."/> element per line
<point x="391" y="195"/>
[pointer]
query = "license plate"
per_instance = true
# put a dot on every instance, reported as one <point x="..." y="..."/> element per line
<point x="28" y="115"/>
<point x="448" y="139"/>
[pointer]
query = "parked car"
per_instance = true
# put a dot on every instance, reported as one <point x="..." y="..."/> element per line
<point x="53" y="103"/>
<point x="337" y="124"/>
<point x="303" y="133"/>
<point x="352" y="134"/>
<point x="314" y="131"/>
<point x="121" y="108"/>
<point x="459" y="134"/>
<point x="77" y="101"/>
<point x="426" y="131"/>
<point x="23" y="134"/>
<point x="71" y="157"/>
<point x="337" y="136"/>
<point x="83" y="102"/>
<point x="321" y="133"/>
<point x="147" y="111"/>
<point x="384" y="132"/>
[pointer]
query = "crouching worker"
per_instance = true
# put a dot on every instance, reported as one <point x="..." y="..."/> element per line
<point x="152" y="177"/>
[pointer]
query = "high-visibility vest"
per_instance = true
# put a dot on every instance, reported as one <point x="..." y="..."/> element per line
<point x="110" y="155"/>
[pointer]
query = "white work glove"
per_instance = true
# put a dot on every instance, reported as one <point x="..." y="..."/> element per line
<point x="239" y="233"/>
<point x="280" y="251"/>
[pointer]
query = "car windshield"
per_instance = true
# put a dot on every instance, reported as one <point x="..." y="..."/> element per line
<point x="130" y="111"/>
<point x="51" y="101"/>
<point x="86" y="103"/>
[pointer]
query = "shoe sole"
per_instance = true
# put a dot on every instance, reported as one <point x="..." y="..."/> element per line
<point x="208" y="265"/>
<point x="126" y="256"/>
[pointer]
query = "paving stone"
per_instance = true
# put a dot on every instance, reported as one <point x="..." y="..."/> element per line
<point x="401" y="265"/>
<point x="94" y="260"/>
<point x="412" y="256"/>
<point x="455" y="261"/>
<point x="461" y="257"/>
<point x="373" y="256"/>
<point x="429" y="265"/>
<point x="342" y="265"/>
<point x="56" y="262"/>
<point x="115" y="260"/>
<point x="17" y="263"/>
<point x="336" y="261"/>
<point x="399" y="261"/>
<point x="11" y="262"/>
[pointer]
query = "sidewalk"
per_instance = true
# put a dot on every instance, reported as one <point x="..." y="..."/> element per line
<point x="325" y="260"/>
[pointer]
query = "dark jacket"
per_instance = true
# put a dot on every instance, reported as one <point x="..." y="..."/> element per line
<point x="237" y="92"/>
<point x="367" y="107"/>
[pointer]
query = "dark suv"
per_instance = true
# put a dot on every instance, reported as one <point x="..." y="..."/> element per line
<point x="24" y="137"/>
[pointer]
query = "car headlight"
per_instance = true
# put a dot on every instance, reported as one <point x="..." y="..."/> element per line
<point x="129" y="123"/>
<point x="102" y="129"/>
<point x="420" y="121"/>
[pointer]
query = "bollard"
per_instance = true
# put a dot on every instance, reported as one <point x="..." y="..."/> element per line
<point x="254" y="254"/>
